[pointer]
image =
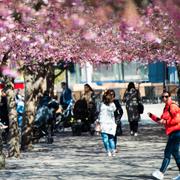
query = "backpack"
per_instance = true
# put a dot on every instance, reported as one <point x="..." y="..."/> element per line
<point x="119" y="111"/>
<point x="140" y="108"/>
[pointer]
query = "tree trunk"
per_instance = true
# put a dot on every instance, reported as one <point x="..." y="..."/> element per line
<point x="26" y="139"/>
<point x="35" y="83"/>
<point x="32" y="89"/>
<point x="14" y="148"/>
<point x="50" y="79"/>
<point x="2" y="156"/>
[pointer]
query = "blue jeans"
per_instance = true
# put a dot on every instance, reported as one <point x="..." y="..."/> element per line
<point x="108" y="141"/>
<point x="172" y="148"/>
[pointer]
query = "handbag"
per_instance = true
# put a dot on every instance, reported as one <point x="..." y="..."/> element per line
<point x="140" y="108"/>
<point x="97" y="127"/>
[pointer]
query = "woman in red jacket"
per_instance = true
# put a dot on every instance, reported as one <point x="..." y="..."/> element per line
<point x="171" y="120"/>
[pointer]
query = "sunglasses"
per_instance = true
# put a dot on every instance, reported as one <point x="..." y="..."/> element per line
<point x="165" y="96"/>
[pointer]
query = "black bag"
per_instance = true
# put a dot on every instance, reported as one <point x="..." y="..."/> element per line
<point x="119" y="111"/>
<point x="140" y="108"/>
<point x="119" y="131"/>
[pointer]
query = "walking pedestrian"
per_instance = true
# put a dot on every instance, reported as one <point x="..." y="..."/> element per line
<point x="117" y="114"/>
<point x="107" y="123"/>
<point x="171" y="120"/>
<point x="132" y="98"/>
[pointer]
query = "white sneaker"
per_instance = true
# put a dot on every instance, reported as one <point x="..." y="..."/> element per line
<point x="135" y="134"/>
<point x="109" y="154"/>
<point x="132" y="133"/>
<point x="158" y="175"/>
<point x="177" y="177"/>
<point x="114" y="153"/>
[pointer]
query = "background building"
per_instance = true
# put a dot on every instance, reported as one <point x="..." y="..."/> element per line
<point x="156" y="73"/>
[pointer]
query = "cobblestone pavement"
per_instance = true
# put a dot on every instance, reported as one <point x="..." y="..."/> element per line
<point x="83" y="158"/>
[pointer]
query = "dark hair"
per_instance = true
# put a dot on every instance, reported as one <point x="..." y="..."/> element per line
<point x="46" y="93"/>
<point x="63" y="83"/>
<point x="165" y="91"/>
<point x="130" y="86"/>
<point x="105" y="98"/>
<point x="87" y="85"/>
<point x="112" y="92"/>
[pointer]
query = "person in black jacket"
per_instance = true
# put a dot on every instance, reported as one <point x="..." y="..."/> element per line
<point x="132" y="99"/>
<point x="118" y="114"/>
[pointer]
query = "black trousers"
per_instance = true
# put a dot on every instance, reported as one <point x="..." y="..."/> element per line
<point x="133" y="126"/>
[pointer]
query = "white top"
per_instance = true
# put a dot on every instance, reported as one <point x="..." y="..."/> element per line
<point x="106" y="118"/>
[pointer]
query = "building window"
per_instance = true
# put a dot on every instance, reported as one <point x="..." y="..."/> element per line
<point x="135" y="72"/>
<point x="113" y="73"/>
<point x="107" y="73"/>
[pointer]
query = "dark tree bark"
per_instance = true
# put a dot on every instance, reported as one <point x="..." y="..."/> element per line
<point x="33" y="86"/>
<point x="2" y="156"/>
<point x="50" y="77"/>
<point x="14" y="148"/>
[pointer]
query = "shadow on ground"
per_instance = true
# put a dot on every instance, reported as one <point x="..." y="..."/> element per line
<point x="83" y="157"/>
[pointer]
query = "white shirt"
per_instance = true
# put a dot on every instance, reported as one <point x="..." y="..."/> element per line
<point x="106" y="118"/>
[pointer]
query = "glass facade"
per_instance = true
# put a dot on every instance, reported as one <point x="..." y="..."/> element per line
<point x="135" y="72"/>
<point x="113" y="73"/>
<point x="123" y="72"/>
<point x="107" y="73"/>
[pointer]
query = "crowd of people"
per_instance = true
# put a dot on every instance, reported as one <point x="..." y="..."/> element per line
<point x="106" y="117"/>
<point x="170" y="118"/>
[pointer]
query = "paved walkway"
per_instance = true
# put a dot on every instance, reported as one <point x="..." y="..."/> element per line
<point x="83" y="158"/>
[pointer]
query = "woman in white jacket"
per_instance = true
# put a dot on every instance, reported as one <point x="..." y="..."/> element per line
<point x="107" y="122"/>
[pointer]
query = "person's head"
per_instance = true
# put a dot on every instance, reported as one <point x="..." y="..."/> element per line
<point x="165" y="96"/>
<point x="107" y="97"/>
<point x="112" y="92"/>
<point x="87" y="88"/>
<point x="46" y="93"/>
<point x="63" y="85"/>
<point x="131" y="86"/>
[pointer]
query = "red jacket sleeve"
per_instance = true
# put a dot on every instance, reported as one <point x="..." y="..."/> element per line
<point x="154" y="117"/>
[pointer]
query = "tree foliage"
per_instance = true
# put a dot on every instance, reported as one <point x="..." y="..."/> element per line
<point x="107" y="31"/>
